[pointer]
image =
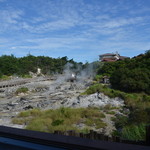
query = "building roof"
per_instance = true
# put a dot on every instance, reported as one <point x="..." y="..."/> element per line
<point x="112" y="57"/>
<point x="108" y="54"/>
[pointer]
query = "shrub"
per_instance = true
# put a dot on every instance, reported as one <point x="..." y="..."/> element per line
<point x="26" y="76"/>
<point x="93" y="89"/>
<point x="146" y="98"/>
<point x="18" y="121"/>
<point x="104" y="89"/>
<point x="57" y="122"/>
<point x="22" y="90"/>
<point x="111" y="112"/>
<point x="134" y="132"/>
<point x="39" y="124"/>
<point x="24" y="114"/>
<point x="5" y="77"/>
<point x="33" y="112"/>
<point x="100" y="124"/>
<point x="121" y="121"/>
<point x="98" y="78"/>
<point x="139" y="116"/>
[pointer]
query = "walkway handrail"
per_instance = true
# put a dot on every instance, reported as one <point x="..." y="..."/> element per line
<point x="68" y="142"/>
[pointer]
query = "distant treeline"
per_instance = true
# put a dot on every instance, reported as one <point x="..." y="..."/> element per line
<point x="130" y="75"/>
<point x="11" y="65"/>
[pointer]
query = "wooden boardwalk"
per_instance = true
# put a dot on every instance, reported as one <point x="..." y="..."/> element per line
<point x="16" y="82"/>
<point x="11" y="83"/>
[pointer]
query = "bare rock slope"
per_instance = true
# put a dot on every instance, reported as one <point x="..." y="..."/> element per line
<point x="49" y="94"/>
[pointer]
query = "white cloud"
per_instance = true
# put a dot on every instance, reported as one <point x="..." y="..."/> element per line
<point x="66" y="25"/>
<point x="64" y="15"/>
<point x="59" y="43"/>
<point x="10" y="19"/>
<point x="51" y="26"/>
<point x="118" y="22"/>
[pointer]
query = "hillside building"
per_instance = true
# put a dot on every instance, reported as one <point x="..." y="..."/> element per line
<point x="111" y="57"/>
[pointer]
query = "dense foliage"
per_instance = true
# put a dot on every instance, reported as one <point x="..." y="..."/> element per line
<point x="132" y="78"/>
<point x="10" y="65"/>
<point x="130" y="75"/>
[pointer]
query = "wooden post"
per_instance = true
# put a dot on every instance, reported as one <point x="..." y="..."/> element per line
<point x="148" y="135"/>
<point x="55" y="132"/>
<point x="58" y="132"/>
<point x="118" y="139"/>
<point x="100" y="137"/>
<point x="113" y="138"/>
<point x="106" y="138"/>
<point x="93" y="135"/>
<point x="81" y="135"/>
<point x="87" y="135"/>
<point x="66" y="133"/>
<point x="71" y="133"/>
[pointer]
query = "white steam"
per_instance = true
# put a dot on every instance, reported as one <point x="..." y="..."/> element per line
<point x="82" y="77"/>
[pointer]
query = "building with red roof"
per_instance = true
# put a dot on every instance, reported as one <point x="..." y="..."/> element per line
<point x="111" y="57"/>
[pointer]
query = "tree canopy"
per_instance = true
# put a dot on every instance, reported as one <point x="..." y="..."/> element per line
<point x="130" y="75"/>
<point x="10" y="65"/>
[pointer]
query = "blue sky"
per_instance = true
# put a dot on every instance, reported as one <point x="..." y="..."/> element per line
<point x="79" y="29"/>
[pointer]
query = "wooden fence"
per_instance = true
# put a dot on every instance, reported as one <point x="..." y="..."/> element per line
<point x="97" y="136"/>
<point x="10" y="83"/>
<point x="62" y="141"/>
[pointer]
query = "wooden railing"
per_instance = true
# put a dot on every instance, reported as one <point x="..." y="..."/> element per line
<point x="98" y="136"/>
<point x="67" y="142"/>
<point x="16" y="82"/>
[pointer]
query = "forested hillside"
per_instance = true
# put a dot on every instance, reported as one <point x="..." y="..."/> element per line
<point x="10" y="65"/>
<point x="131" y="75"/>
<point x="130" y="80"/>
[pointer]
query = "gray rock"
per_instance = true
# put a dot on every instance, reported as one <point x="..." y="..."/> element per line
<point x="28" y="107"/>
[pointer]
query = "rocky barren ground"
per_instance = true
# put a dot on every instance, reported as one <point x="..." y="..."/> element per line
<point x="51" y="94"/>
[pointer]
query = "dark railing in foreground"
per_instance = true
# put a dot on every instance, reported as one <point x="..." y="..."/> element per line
<point x="66" y="142"/>
<point x="93" y="135"/>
